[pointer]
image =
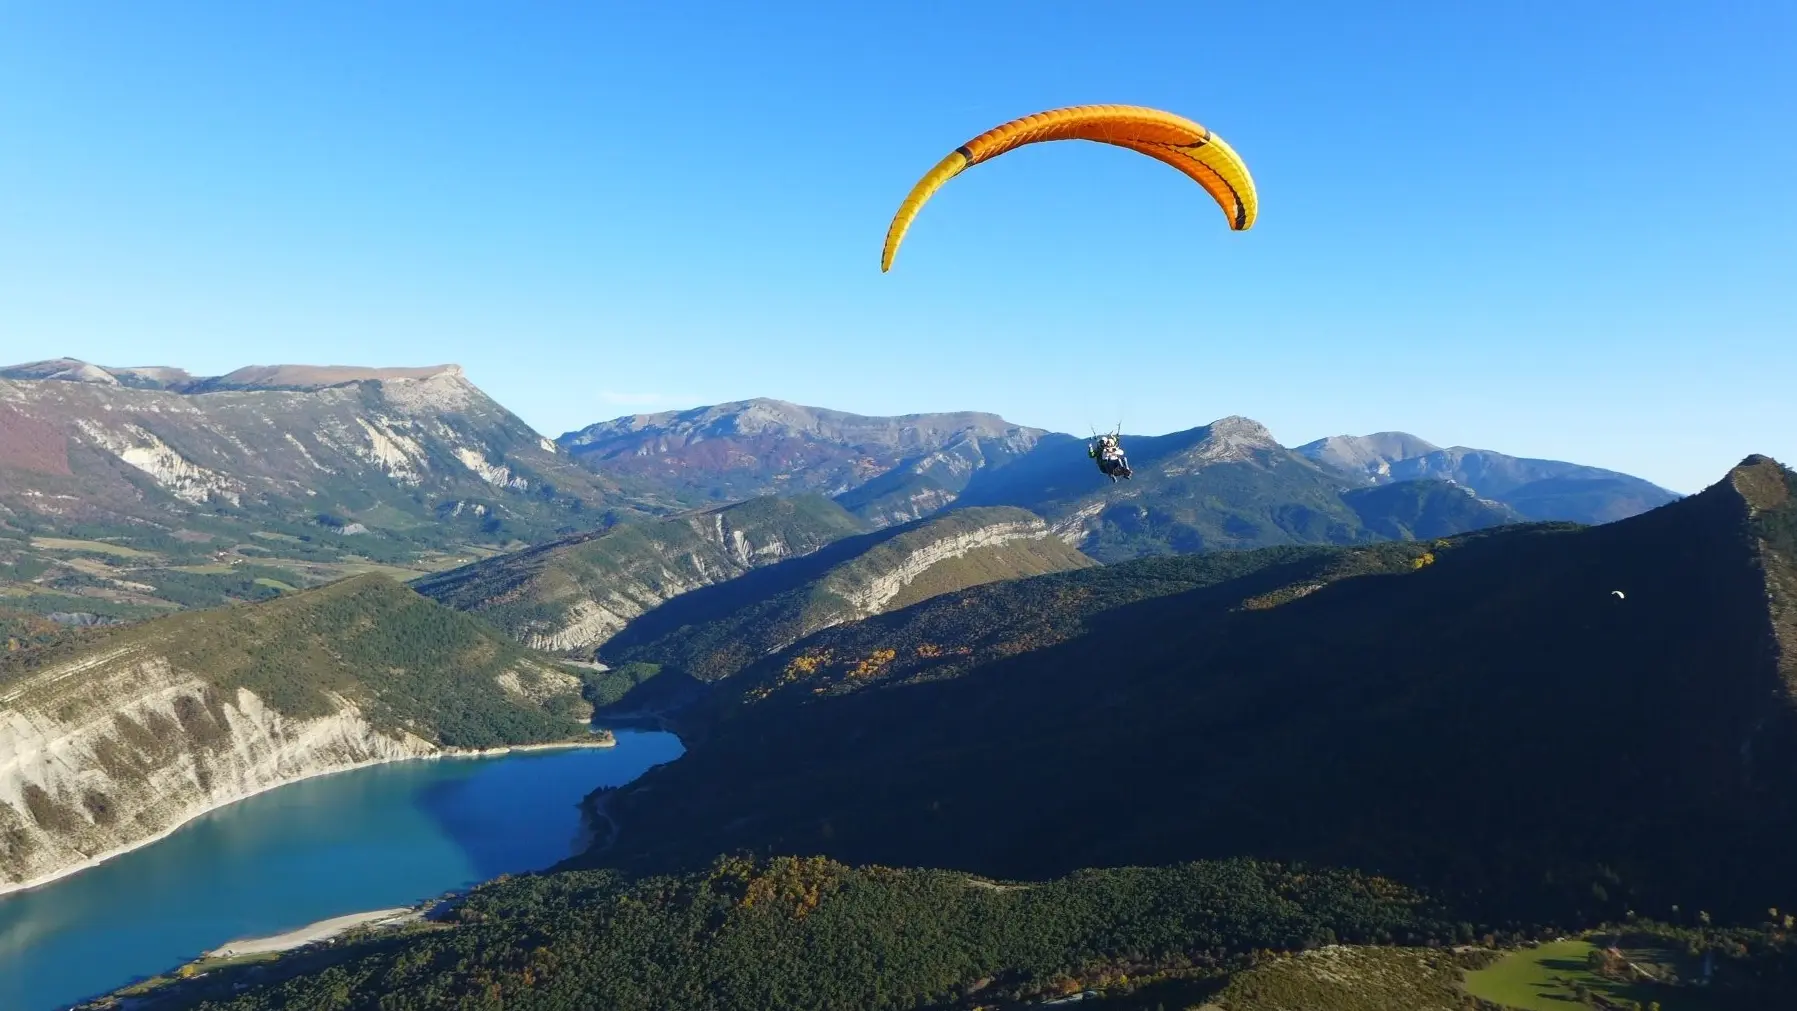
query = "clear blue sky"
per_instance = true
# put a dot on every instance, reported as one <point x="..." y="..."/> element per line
<point x="1551" y="229"/>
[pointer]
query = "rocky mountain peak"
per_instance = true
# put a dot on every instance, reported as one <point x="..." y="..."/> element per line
<point x="1367" y="454"/>
<point x="1762" y="482"/>
<point x="1232" y="439"/>
<point x="1238" y="429"/>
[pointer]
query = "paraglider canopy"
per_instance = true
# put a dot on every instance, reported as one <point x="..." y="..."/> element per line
<point x="1172" y="139"/>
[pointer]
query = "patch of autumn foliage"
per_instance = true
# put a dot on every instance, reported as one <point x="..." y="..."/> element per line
<point x="801" y="666"/>
<point x="871" y="666"/>
<point x="795" y="885"/>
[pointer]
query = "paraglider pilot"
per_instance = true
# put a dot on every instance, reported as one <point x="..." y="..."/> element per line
<point x="1109" y="454"/>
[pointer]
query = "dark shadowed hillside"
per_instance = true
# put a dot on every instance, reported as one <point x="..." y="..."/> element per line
<point x="1423" y="510"/>
<point x="1533" y="718"/>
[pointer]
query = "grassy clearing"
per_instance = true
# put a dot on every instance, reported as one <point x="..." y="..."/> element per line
<point x="1545" y="979"/>
<point x="98" y="547"/>
<point x="209" y="569"/>
<point x="269" y="535"/>
<point x="1530" y="979"/>
<point x="276" y="584"/>
<point x="90" y="566"/>
<point x="208" y="963"/>
<point x="394" y="572"/>
<point x="385" y="517"/>
<point x="443" y="562"/>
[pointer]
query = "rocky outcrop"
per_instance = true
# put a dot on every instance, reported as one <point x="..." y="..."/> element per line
<point x="1767" y="490"/>
<point x="876" y="592"/>
<point x="104" y="755"/>
<point x="107" y="753"/>
<point x="114" y="736"/>
<point x="1234" y="439"/>
<point x="571" y="596"/>
<point x="713" y="635"/>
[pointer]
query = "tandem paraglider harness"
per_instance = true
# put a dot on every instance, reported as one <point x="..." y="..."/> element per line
<point x="1109" y="454"/>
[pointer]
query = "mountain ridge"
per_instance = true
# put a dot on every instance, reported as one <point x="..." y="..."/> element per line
<point x="714" y="634"/>
<point x="763" y="446"/>
<point x="1538" y="489"/>
<point x="249" y="377"/>
<point x="571" y="595"/>
<point x="127" y="496"/>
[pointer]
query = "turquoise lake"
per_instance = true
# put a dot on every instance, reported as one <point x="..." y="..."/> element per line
<point x="390" y="835"/>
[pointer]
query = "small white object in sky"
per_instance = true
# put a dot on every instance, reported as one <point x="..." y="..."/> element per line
<point x="1619" y="595"/>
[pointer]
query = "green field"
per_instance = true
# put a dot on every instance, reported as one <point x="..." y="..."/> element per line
<point x="1543" y="979"/>
<point x="98" y="547"/>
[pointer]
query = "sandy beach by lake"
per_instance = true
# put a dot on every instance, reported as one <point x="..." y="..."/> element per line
<point x="312" y="933"/>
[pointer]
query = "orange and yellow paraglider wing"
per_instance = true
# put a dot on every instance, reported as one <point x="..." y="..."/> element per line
<point x="1215" y="167"/>
<point x="1161" y="135"/>
<point x="932" y="181"/>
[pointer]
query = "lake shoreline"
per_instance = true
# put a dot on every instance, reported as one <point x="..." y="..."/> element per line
<point x="319" y="932"/>
<point x="608" y="741"/>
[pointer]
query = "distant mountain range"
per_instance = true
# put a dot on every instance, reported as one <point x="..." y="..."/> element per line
<point x="1229" y="484"/>
<point x="1537" y="489"/>
<point x="892" y="469"/>
<point x="888" y="470"/>
<point x="126" y="490"/>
